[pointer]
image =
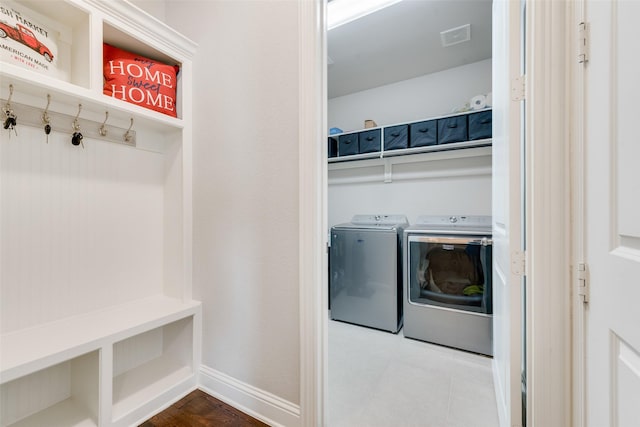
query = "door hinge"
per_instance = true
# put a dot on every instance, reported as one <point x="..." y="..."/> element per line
<point x="518" y="263"/>
<point x="517" y="88"/>
<point x="583" y="43"/>
<point x="583" y="282"/>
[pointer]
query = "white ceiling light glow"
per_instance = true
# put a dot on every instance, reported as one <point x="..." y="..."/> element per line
<point x="340" y="12"/>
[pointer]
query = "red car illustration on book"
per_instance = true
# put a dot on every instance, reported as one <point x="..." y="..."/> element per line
<point x="25" y="36"/>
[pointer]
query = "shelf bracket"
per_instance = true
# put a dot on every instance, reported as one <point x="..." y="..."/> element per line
<point x="388" y="171"/>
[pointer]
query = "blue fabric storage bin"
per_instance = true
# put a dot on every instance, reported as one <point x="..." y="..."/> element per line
<point x="480" y="125"/>
<point x="423" y="133"/>
<point x="452" y="129"/>
<point x="396" y="137"/>
<point x="369" y="141"/>
<point x="348" y="144"/>
<point x="332" y="146"/>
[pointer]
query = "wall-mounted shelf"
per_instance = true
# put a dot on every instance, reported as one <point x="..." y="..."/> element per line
<point x="450" y="132"/>
<point x="414" y="166"/>
<point x="448" y="148"/>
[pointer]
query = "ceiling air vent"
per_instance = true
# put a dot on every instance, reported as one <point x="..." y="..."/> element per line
<point x="456" y="35"/>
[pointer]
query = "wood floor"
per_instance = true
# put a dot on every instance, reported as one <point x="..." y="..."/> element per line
<point x="198" y="409"/>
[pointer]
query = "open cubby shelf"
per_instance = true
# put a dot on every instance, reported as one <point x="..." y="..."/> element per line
<point x="134" y="388"/>
<point x="27" y="351"/>
<point x="63" y="414"/>
<point x="99" y="327"/>
<point x="62" y="394"/>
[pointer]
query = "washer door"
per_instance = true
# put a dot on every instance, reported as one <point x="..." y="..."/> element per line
<point x="450" y="271"/>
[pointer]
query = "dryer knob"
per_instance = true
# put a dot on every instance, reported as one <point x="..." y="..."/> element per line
<point x="453" y="219"/>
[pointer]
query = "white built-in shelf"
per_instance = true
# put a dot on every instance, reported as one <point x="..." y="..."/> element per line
<point x="133" y="389"/>
<point x="62" y="359"/>
<point x="62" y="395"/>
<point x="32" y="88"/>
<point x="67" y="413"/>
<point x="99" y="328"/>
<point x="143" y="375"/>
<point x="32" y="349"/>
<point x="84" y="25"/>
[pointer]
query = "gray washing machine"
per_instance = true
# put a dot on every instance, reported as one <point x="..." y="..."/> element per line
<point x="365" y="280"/>
<point x="448" y="282"/>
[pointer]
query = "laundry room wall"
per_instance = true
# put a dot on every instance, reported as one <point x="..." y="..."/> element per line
<point x="245" y="199"/>
<point x="440" y="184"/>
<point x="415" y="99"/>
<point x="458" y="186"/>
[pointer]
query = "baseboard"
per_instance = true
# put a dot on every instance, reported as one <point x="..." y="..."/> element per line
<point x="260" y="404"/>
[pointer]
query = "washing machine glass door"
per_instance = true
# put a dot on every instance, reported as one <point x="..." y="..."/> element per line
<point x="450" y="271"/>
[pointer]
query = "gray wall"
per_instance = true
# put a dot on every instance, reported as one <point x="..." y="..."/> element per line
<point x="410" y="100"/>
<point x="246" y="187"/>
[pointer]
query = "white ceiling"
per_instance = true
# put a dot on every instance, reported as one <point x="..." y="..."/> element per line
<point x="403" y="41"/>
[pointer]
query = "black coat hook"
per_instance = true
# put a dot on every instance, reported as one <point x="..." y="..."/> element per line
<point x="10" y="120"/>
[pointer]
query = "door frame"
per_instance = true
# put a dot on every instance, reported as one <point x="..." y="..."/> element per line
<point x="578" y="230"/>
<point x="312" y="217"/>
<point x="548" y="209"/>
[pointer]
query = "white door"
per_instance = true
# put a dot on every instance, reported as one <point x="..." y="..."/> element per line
<point x="612" y="213"/>
<point x="507" y="210"/>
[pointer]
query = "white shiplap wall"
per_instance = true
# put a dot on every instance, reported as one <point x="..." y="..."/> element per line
<point x="81" y="229"/>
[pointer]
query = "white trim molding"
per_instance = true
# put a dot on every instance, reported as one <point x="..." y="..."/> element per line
<point x="251" y="400"/>
<point x="312" y="225"/>
<point x="548" y="207"/>
<point x="130" y="16"/>
<point x="508" y="209"/>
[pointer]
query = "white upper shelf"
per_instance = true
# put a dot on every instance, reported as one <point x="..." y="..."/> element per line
<point x="32" y="88"/>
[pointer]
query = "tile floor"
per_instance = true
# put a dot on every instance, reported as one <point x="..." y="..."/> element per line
<point x="378" y="379"/>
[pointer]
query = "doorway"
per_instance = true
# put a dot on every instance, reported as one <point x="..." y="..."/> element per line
<point x="409" y="94"/>
<point x="546" y="259"/>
